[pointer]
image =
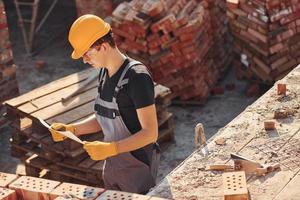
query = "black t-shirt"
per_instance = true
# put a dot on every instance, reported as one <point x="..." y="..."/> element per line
<point x="138" y="93"/>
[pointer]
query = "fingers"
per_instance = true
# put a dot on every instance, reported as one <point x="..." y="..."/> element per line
<point x="94" y="150"/>
<point x="58" y="126"/>
<point x="56" y="136"/>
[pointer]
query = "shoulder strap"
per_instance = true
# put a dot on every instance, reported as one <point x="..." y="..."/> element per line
<point x="123" y="81"/>
<point x="101" y="78"/>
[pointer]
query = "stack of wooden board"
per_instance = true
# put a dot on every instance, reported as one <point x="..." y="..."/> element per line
<point x="67" y="158"/>
<point x="266" y="35"/>
<point x="175" y="40"/>
<point x="8" y="81"/>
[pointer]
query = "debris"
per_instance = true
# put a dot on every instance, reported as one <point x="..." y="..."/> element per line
<point x="266" y="169"/>
<point x="283" y="113"/>
<point x="220" y="141"/>
<point x="253" y="90"/>
<point x="281" y="89"/>
<point x="40" y="64"/>
<point x="269" y="125"/>
<point x="220" y="167"/>
<point x="252" y="167"/>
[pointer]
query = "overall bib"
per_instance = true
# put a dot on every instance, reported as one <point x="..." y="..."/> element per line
<point x="123" y="172"/>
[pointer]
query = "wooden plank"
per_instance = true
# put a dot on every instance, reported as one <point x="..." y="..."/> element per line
<point x="50" y="87"/>
<point x="59" y="107"/>
<point x="53" y="98"/>
<point x="74" y="114"/>
<point x="291" y="190"/>
<point x="87" y="163"/>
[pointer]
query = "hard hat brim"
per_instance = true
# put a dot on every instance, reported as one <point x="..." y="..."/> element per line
<point x="75" y="55"/>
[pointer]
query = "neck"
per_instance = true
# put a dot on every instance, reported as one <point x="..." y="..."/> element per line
<point x="115" y="61"/>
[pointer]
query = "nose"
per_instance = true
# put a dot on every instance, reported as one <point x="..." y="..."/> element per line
<point x="85" y="59"/>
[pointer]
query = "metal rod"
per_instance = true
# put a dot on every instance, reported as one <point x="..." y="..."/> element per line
<point x="33" y="21"/>
<point x="21" y="24"/>
<point x="46" y="16"/>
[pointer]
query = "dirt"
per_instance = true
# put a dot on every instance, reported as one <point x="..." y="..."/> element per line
<point x="51" y="46"/>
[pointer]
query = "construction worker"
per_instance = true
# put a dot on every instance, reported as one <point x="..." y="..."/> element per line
<point x="124" y="110"/>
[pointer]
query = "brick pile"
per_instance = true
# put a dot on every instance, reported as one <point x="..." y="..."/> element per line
<point x="31" y="188"/>
<point x="266" y="37"/>
<point x="175" y="40"/>
<point x="8" y="82"/>
<point x="222" y="48"/>
<point x="101" y="8"/>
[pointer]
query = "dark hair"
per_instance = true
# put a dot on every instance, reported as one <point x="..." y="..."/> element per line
<point x="106" y="38"/>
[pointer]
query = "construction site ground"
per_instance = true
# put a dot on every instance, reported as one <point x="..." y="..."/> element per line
<point x="52" y="61"/>
<point x="246" y="136"/>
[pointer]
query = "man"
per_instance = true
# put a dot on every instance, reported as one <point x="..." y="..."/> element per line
<point x="124" y="109"/>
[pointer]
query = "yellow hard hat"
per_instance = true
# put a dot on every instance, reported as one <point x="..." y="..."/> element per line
<point x="86" y="30"/>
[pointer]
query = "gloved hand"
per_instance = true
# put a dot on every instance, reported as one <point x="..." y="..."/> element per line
<point x="100" y="150"/>
<point x="60" y="127"/>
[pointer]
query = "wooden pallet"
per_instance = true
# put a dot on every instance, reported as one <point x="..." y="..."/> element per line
<point x="45" y="102"/>
<point x="66" y="160"/>
<point x="87" y="171"/>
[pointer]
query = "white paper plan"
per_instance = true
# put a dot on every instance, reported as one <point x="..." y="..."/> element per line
<point x="68" y="134"/>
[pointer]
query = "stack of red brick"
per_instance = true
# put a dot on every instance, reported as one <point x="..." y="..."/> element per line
<point x="101" y="8"/>
<point x="222" y="48"/>
<point x="175" y="40"/>
<point x="13" y="187"/>
<point x="267" y="39"/>
<point x="8" y="82"/>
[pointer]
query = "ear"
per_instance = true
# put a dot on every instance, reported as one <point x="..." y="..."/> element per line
<point x="98" y="47"/>
<point x="105" y="46"/>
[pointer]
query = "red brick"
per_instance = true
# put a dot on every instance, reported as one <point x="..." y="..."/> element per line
<point x="79" y="191"/>
<point x="7" y="194"/>
<point x="218" y="90"/>
<point x="6" y="179"/>
<point x="258" y="35"/>
<point x="276" y="48"/>
<point x="117" y="195"/>
<point x="279" y="62"/>
<point x="269" y="125"/>
<point x="123" y="34"/>
<point x="281" y="89"/>
<point x="235" y="186"/>
<point x="33" y="188"/>
<point x="232" y="4"/>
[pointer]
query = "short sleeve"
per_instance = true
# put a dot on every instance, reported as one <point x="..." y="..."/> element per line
<point x="141" y="90"/>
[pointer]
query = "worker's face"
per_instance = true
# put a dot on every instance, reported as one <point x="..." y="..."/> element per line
<point x="94" y="56"/>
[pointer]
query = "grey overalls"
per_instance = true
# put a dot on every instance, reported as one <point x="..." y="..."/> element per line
<point x="123" y="172"/>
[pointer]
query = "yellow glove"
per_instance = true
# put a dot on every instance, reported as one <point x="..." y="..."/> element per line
<point x="100" y="150"/>
<point x="60" y="127"/>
